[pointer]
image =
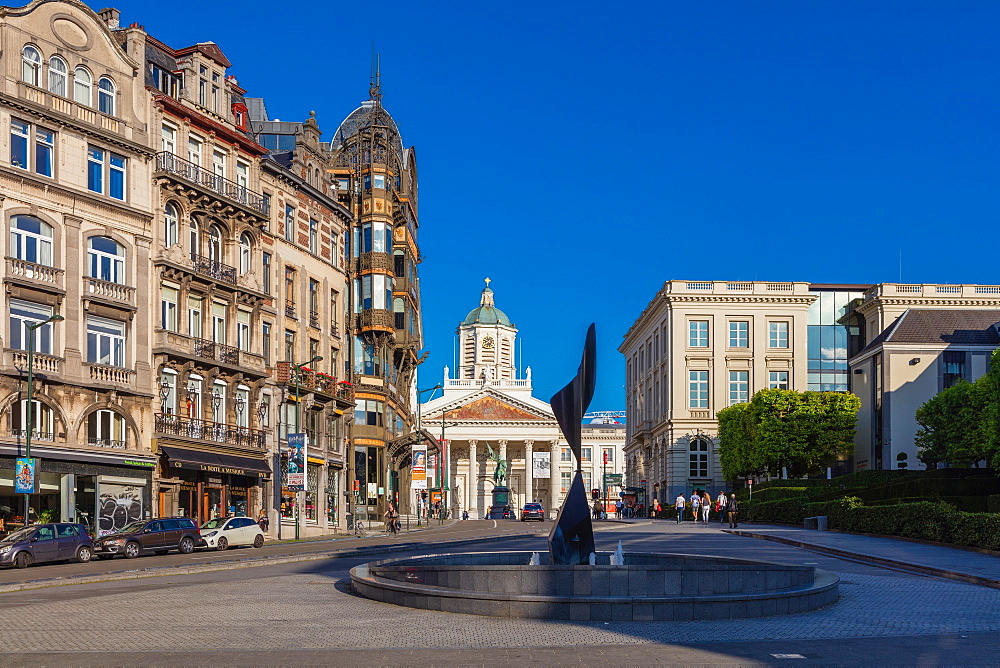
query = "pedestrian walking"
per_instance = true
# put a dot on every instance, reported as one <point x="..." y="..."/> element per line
<point x="263" y="521"/>
<point x="695" y="504"/>
<point x="465" y="514"/>
<point x="618" y="508"/>
<point x="706" y="506"/>
<point x="679" y="504"/>
<point x="720" y="507"/>
<point x="656" y="509"/>
<point x="732" y="510"/>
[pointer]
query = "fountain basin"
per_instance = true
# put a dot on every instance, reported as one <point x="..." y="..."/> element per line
<point x="650" y="586"/>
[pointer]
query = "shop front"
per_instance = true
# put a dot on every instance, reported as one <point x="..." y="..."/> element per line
<point x="206" y="485"/>
<point x="102" y="491"/>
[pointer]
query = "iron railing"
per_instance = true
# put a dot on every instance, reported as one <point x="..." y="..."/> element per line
<point x="216" y="351"/>
<point x="206" y="430"/>
<point x="215" y="269"/>
<point x="189" y="171"/>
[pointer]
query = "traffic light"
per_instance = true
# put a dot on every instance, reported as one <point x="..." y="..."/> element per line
<point x="595" y="493"/>
<point x="423" y="495"/>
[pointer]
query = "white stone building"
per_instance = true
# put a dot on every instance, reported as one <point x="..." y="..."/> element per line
<point x="487" y="404"/>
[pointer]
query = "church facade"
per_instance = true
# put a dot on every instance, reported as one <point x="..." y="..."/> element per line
<point x="487" y="406"/>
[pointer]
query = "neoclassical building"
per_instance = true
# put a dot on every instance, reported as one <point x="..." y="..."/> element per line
<point x="487" y="404"/>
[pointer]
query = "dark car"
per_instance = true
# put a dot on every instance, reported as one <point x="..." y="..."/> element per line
<point x="159" y="535"/>
<point x="532" y="511"/>
<point x="40" y="543"/>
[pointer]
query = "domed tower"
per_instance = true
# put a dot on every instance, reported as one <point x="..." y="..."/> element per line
<point x="486" y="342"/>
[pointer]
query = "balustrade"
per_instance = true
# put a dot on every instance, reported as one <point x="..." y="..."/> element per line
<point x="108" y="290"/>
<point x="189" y="171"/>
<point x="103" y="373"/>
<point x="41" y="363"/>
<point x="213" y="268"/>
<point x="34" y="272"/>
<point x="207" y="430"/>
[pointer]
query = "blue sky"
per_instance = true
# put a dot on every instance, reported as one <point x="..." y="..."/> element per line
<point x="579" y="154"/>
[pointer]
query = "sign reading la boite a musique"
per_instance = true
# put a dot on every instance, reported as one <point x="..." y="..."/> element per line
<point x="296" y="476"/>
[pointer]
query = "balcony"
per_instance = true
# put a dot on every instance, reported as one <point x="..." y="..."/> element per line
<point x="35" y="274"/>
<point x="213" y="269"/>
<point x="189" y="171"/>
<point x="107" y="443"/>
<point x="216" y="351"/>
<point x="289" y="309"/>
<point x="373" y="260"/>
<point x="36" y="435"/>
<point x="67" y="107"/>
<point x="110" y="375"/>
<point x="42" y="363"/>
<point x="314" y="381"/>
<point x="174" y="343"/>
<point x="314" y="319"/>
<point x="206" y="430"/>
<point x="379" y="319"/>
<point x="109" y="292"/>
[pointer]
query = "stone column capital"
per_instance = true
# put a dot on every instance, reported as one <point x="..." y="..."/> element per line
<point x="473" y="442"/>
<point x="528" y="443"/>
<point x="502" y="442"/>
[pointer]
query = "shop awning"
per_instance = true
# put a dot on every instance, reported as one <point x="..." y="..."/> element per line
<point x="197" y="460"/>
<point x="111" y="458"/>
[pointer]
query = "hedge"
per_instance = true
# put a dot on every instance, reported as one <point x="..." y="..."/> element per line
<point x="993" y="503"/>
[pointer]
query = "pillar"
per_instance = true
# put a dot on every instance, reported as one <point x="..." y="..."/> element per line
<point x="529" y="487"/>
<point x="472" y="482"/>
<point x="553" y="477"/>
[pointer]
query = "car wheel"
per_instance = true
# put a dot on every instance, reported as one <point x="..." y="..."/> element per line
<point x="160" y="553"/>
<point x="23" y="560"/>
<point x="131" y="550"/>
<point x="186" y="546"/>
<point x="222" y="544"/>
<point x="259" y="540"/>
<point x="84" y="554"/>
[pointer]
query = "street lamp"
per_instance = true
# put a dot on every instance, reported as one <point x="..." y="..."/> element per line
<point x="30" y="419"/>
<point x="164" y="396"/>
<point x="305" y="464"/>
<point x="261" y="413"/>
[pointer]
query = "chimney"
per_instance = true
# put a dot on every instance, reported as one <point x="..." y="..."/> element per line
<point x="110" y="16"/>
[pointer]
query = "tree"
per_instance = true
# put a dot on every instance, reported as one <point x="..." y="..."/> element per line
<point x="735" y="442"/>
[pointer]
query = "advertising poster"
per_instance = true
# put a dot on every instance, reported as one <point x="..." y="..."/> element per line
<point x="119" y="506"/>
<point x="26" y="475"/>
<point x="296" y="480"/>
<point x="418" y="471"/>
<point x="540" y="464"/>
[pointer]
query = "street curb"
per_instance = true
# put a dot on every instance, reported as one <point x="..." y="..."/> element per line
<point x="250" y="562"/>
<point x="877" y="561"/>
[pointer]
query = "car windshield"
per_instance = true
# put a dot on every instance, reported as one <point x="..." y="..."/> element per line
<point x="19" y="535"/>
<point x="214" y="524"/>
<point x="131" y="528"/>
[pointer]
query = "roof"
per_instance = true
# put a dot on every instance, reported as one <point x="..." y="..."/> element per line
<point x="942" y="326"/>
<point x="486" y="313"/>
<point x="364" y="116"/>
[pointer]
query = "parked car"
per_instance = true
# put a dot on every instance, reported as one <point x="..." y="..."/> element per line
<point x="225" y="532"/>
<point x="532" y="511"/>
<point x="40" y="543"/>
<point x="159" y="535"/>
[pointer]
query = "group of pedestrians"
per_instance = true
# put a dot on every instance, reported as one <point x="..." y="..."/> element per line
<point x="700" y="506"/>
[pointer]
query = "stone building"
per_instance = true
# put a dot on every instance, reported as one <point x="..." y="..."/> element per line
<point x="487" y="405"/>
<point x="75" y="168"/>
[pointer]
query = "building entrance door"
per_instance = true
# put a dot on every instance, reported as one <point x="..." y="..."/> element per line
<point x="211" y="506"/>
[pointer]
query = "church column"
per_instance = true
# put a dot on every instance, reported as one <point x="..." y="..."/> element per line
<point x="503" y="457"/>
<point x="529" y="487"/>
<point x="472" y="482"/>
<point x="553" y="477"/>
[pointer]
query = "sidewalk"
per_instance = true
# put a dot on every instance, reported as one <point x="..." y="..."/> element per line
<point x="953" y="563"/>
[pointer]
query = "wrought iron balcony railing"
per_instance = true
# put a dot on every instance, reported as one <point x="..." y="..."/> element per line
<point x="213" y="268"/>
<point x="189" y="171"/>
<point x="315" y="381"/>
<point x="216" y="351"/>
<point x="107" y="443"/>
<point x="206" y="430"/>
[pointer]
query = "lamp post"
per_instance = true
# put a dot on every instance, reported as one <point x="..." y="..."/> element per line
<point x="421" y="437"/>
<point x="604" y="480"/>
<point x="30" y="418"/>
<point x="164" y="396"/>
<point x="305" y="463"/>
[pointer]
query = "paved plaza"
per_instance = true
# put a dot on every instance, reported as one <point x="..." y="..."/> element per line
<point x="308" y="609"/>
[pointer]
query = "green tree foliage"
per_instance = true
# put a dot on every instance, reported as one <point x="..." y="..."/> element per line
<point x="802" y="432"/>
<point x="961" y="425"/>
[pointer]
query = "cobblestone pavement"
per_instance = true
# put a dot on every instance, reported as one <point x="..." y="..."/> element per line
<point x="308" y="606"/>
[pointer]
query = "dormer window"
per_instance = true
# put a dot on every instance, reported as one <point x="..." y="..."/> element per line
<point x="164" y="81"/>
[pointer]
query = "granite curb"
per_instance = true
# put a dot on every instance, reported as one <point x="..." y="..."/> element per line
<point x="910" y="567"/>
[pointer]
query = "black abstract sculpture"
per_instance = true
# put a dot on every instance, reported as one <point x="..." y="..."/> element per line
<point x="571" y="539"/>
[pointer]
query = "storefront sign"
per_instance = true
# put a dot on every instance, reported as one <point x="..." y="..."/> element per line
<point x="540" y="464"/>
<point x="418" y="467"/>
<point x="136" y="462"/>
<point x="297" y="446"/>
<point x="26" y="475"/>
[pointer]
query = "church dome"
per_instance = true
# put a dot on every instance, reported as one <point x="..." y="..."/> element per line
<point x="486" y="313"/>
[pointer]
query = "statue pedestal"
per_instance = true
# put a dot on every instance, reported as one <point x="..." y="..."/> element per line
<point x="501" y="499"/>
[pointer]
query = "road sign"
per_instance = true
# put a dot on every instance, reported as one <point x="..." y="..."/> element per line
<point x="750" y="482"/>
<point x="612" y="479"/>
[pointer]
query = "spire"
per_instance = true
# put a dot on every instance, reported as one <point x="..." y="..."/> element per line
<point x="487" y="298"/>
<point x="375" y="87"/>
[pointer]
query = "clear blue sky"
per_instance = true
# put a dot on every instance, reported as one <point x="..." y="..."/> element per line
<point x="581" y="153"/>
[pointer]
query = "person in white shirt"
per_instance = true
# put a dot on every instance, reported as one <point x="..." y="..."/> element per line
<point x="679" y="504"/>
<point x="720" y="503"/>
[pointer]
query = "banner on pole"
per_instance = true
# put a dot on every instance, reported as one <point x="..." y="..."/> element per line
<point x="296" y="477"/>
<point x="26" y="475"/>
<point x="540" y="464"/>
<point x="418" y="467"/>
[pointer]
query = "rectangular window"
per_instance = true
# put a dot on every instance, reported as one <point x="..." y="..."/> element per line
<point x="289" y="223"/>
<point x="313" y="237"/>
<point x="164" y="81"/>
<point x="333" y="309"/>
<point x="219" y="163"/>
<point x="777" y="380"/>
<point x="31" y="147"/>
<point x="106" y="172"/>
<point x="698" y="458"/>
<point x="242" y="174"/>
<point x="697" y="389"/>
<point x="289" y="345"/>
<point x="698" y="334"/>
<point x="28" y="313"/>
<point x="105" y="341"/>
<point x="168" y="308"/>
<point x="219" y="323"/>
<point x="168" y="139"/>
<point x="777" y="335"/>
<point x="586" y="455"/>
<point x="313" y="298"/>
<point x="265" y="342"/>
<point x="194" y="150"/>
<point x="739" y="387"/>
<point x="609" y="456"/>
<point x="243" y="330"/>
<point x="194" y="317"/>
<point x="565" y="455"/>
<point x="953" y="367"/>
<point x="739" y="334"/>
<point x="565" y="480"/>
<point x="266" y="279"/>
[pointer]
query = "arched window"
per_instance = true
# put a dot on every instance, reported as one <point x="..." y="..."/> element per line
<point x="170" y="224"/>
<point x="106" y="258"/>
<point x="31" y="240"/>
<point x="82" y="83"/>
<point x="42" y="420"/>
<point x="246" y="248"/>
<point x="31" y="65"/>
<point x="399" y="313"/>
<point x="107" y="429"/>
<point x="168" y="392"/>
<point x="215" y="243"/>
<point x="57" y="76"/>
<point x="106" y="96"/>
<point x="193" y="234"/>
<point x="698" y="458"/>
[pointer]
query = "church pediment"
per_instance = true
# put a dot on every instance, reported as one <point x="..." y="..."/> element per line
<point x="491" y="408"/>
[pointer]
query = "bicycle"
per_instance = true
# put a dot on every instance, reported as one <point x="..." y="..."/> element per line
<point x="359" y="530"/>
